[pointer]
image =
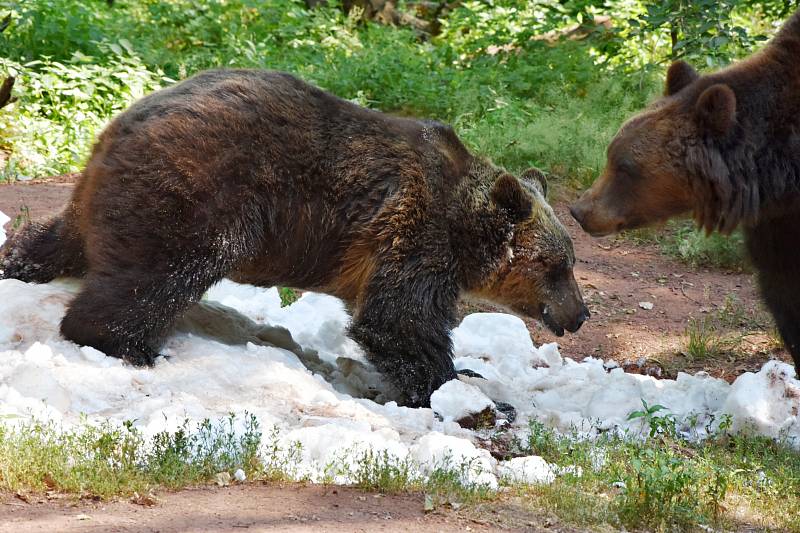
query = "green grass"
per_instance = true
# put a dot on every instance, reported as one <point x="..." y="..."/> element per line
<point x="700" y="250"/>
<point x="663" y="482"/>
<point x="653" y="480"/>
<point x="703" y="339"/>
<point x="681" y="240"/>
<point x="105" y="460"/>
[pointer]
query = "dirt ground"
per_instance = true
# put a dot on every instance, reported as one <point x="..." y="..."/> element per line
<point x="620" y="277"/>
<point x="260" y="507"/>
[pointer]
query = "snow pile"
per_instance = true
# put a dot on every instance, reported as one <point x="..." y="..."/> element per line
<point x="766" y="403"/>
<point x="322" y="395"/>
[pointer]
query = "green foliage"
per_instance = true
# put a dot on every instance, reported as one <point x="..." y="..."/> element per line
<point x="681" y="240"/>
<point x="288" y="296"/>
<point x="698" y="249"/>
<point x="658" y="425"/>
<point x="383" y="472"/>
<point x="108" y="460"/>
<point x="661" y="481"/>
<point x="664" y="490"/>
<point x="703" y="339"/>
<point x="193" y="455"/>
<point x="513" y="96"/>
<point x="701" y="30"/>
<point x="530" y="103"/>
<point x="63" y="105"/>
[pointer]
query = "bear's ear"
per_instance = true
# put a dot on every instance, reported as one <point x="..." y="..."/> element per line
<point x="537" y="178"/>
<point x="680" y="75"/>
<point x="716" y="109"/>
<point x="508" y="194"/>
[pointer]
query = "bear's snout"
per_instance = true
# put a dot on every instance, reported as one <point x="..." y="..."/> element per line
<point x="578" y="212"/>
<point x="580" y="318"/>
<point x="594" y="218"/>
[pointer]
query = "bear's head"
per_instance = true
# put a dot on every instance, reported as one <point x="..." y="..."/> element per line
<point x="534" y="276"/>
<point x="670" y="160"/>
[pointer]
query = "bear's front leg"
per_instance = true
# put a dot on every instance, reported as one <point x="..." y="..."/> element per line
<point x="405" y="332"/>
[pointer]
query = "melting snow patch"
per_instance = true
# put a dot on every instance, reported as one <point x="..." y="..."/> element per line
<point x="322" y="396"/>
<point x="455" y="400"/>
<point x="3" y="221"/>
<point x="531" y="470"/>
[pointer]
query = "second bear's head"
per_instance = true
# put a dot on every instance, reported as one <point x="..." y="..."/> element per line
<point x="523" y="259"/>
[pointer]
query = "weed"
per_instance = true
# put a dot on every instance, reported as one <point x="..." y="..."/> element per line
<point x="23" y="218"/>
<point x="662" y="490"/>
<point x="383" y="472"/>
<point x="288" y="296"/>
<point x="658" y="425"/>
<point x="703" y="341"/>
<point x="694" y="247"/>
<point x="109" y="460"/>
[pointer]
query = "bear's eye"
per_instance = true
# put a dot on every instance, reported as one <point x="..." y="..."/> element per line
<point x="628" y="167"/>
<point x="557" y="271"/>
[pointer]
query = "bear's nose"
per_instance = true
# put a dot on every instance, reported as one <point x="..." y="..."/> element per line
<point x="583" y="316"/>
<point x="577" y="213"/>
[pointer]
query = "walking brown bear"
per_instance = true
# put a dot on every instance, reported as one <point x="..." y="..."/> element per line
<point x="262" y="178"/>
<point x="726" y="147"/>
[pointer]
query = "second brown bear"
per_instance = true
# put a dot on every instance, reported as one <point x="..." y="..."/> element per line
<point x="725" y="147"/>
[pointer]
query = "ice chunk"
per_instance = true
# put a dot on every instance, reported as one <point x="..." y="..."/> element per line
<point x="455" y="400"/>
<point x="767" y="402"/>
<point x="438" y="451"/>
<point x="532" y="470"/>
<point x="3" y="221"/>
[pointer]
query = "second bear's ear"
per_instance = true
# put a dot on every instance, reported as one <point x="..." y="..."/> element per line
<point x="537" y="178"/>
<point x="508" y="194"/>
<point x="716" y="109"/>
<point x="680" y="75"/>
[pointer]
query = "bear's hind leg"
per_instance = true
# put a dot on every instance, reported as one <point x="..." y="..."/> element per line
<point x="127" y="313"/>
<point x="783" y="302"/>
<point x="771" y="245"/>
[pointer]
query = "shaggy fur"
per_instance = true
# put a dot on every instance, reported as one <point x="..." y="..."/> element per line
<point x="260" y="177"/>
<point x="726" y="147"/>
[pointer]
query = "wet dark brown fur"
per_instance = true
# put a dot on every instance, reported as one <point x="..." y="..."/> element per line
<point x="726" y="147"/>
<point x="260" y="177"/>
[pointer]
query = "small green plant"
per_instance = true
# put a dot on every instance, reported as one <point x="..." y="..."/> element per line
<point x="280" y="461"/>
<point x="543" y="441"/>
<point x="288" y="296"/>
<point x="661" y="490"/>
<point x="383" y="472"/>
<point x="658" y="425"/>
<point x="24" y="217"/>
<point x="703" y="340"/>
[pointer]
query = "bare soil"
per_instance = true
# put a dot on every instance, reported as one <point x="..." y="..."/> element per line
<point x="258" y="507"/>
<point x="616" y="274"/>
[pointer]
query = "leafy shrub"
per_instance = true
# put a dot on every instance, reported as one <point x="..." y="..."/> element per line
<point x="61" y="107"/>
